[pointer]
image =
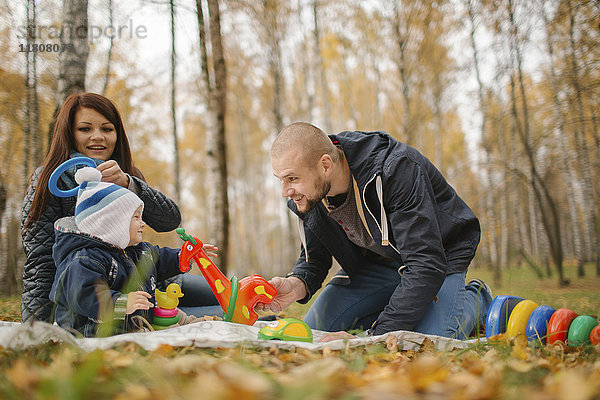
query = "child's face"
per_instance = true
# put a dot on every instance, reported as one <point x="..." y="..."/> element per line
<point x="136" y="227"/>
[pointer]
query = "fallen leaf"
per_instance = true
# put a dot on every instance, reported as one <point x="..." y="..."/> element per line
<point x="425" y="371"/>
<point x="22" y="376"/>
<point x="134" y="391"/>
<point x="573" y="384"/>
<point x="391" y="342"/>
<point x="519" y="365"/>
<point x="163" y="349"/>
<point x="327" y="352"/>
<point x="427" y="346"/>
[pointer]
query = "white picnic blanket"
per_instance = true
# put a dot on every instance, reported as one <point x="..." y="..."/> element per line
<point x="15" y="335"/>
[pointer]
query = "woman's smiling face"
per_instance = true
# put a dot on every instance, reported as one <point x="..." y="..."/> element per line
<point x="95" y="136"/>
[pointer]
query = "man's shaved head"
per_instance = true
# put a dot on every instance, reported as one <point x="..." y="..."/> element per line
<point x="307" y="141"/>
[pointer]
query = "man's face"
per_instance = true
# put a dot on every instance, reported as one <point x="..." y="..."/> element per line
<point x="305" y="185"/>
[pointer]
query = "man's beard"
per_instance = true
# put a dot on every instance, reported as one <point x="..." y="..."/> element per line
<point x="323" y="188"/>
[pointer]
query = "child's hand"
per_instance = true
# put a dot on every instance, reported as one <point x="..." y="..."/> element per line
<point x="210" y="250"/>
<point x="138" y="301"/>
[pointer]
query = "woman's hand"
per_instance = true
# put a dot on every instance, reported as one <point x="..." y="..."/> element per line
<point x="112" y="173"/>
<point x="138" y="301"/>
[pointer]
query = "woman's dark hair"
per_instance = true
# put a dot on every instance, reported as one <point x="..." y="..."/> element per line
<point x="63" y="142"/>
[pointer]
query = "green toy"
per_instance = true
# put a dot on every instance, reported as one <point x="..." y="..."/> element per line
<point x="289" y="329"/>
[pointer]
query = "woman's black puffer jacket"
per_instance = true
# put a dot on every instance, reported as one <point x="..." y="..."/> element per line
<point x="160" y="213"/>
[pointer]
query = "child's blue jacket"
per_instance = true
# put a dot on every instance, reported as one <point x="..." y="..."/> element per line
<point x="91" y="275"/>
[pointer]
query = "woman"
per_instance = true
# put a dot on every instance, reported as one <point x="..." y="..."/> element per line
<point x="89" y="125"/>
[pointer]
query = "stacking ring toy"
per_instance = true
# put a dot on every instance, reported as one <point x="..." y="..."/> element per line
<point x="595" y="335"/>
<point x="580" y="330"/>
<point x="232" y="299"/>
<point x="165" y="321"/>
<point x="52" y="182"/>
<point x="558" y="326"/>
<point x="537" y="324"/>
<point x="165" y="313"/>
<point x="517" y="322"/>
<point x="498" y="314"/>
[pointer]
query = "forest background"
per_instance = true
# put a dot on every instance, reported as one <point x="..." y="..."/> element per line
<point x="501" y="95"/>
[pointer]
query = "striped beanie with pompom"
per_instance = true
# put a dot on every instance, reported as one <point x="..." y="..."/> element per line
<point x="104" y="209"/>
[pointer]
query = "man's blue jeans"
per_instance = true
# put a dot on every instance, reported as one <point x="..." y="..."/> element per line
<point x="458" y="311"/>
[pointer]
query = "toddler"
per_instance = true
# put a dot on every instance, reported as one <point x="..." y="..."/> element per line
<point x="105" y="273"/>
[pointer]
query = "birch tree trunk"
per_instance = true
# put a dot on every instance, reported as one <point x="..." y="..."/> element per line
<point x="590" y="221"/>
<point x="73" y="61"/>
<point x="401" y="62"/>
<point x="550" y="217"/>
<point x="483" y="107"/>
<point x="561" y="136"/>
<point x="216" y="154"/>
<point x="110" y="48"/>
<point x="174" y="107"/>
<point x="326" y="119"/>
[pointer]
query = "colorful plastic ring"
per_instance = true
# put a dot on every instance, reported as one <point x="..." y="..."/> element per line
<point x="165" y="321"/>
<point x="537" y="324"/>
<point x="517" y="322"/>
<point x="228" y="316"/>
<point x="558" y="326"/>
<point x="498" y="314"/>
<point x="165" y="312"/>
<point x="158" y="327"/>
<point x="52" y="182"/>
<point x="580" y="330"/>
<point x="595" y="335"/>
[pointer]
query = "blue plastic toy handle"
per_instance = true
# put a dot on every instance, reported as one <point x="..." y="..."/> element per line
<point x="52" y="183"/>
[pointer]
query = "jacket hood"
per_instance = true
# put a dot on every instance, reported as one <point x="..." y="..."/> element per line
<point x="69" y="238"/>
<point x="365" y="153"/>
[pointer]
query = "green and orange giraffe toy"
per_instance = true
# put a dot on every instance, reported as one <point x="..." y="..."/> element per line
<point x="236" y="297"/>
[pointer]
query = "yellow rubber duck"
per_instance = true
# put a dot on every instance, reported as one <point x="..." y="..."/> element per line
<point x="168" y="299"/>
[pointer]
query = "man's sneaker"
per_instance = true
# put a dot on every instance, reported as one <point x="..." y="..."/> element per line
<point x="482" y="285"/>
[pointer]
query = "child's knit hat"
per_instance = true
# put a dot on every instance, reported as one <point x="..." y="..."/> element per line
<point x="104" y="209"/>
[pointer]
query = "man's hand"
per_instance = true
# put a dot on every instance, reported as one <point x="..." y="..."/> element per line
<point x="138" y="301"/>
<point x="289" y="290"/>
<point x="329" y="336"/>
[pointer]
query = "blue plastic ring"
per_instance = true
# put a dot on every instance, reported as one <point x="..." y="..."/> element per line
<point x="52" y="183"/>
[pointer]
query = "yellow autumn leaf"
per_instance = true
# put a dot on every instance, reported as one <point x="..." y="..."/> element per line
<point x="391" y="342"/>
<point x="425" y="371"/>
<point x="520" y="349"/>
<point x="135" y="391"/>
<point x="22" y="376"/>
<point x="163" y="349"/>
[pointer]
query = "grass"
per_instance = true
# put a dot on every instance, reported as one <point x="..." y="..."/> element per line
<point x="582" y="295"/>
<point x="10" y="308"/>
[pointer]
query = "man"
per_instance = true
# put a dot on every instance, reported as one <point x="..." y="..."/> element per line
<point x="401" y="234"/>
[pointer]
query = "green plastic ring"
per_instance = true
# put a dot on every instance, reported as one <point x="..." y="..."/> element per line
<point x="165" y="321"/>
<point x="232" y="299"/>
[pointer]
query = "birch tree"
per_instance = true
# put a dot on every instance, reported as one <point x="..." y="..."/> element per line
<point x="174" y="106"/>
<point x="72" y="69"/>
<point x="214" y="77"/>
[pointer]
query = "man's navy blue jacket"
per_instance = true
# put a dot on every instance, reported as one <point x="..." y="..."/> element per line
<point x="92" y="274"/>
<point x="409" y="209"/>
